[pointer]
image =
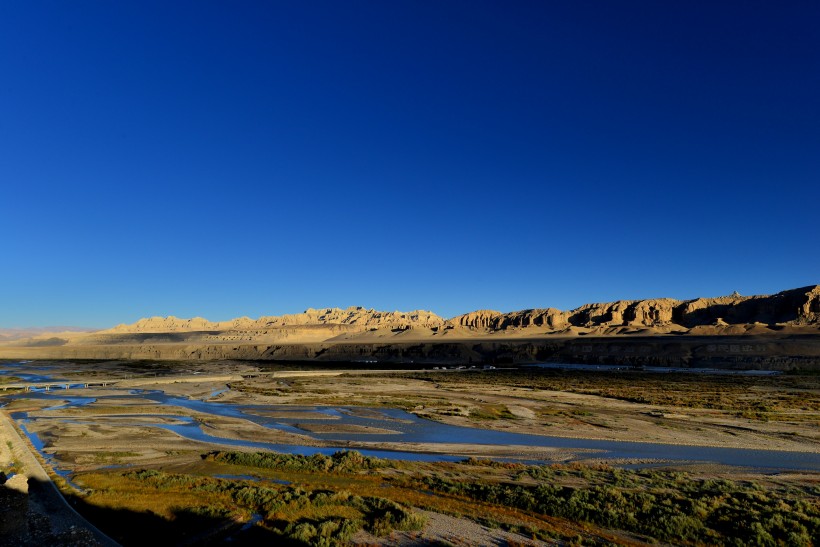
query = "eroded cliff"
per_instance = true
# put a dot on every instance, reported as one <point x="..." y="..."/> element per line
<point x="354" y="316"/>
<point x="796" y="307"/>
<point x="585" y="334"/>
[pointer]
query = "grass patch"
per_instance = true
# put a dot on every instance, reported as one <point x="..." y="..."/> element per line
<point x="113" y="457"/>
<point x="789" y="397"/>
<point x="343" y="461"/>
<point x="186" y="503"/>
<point x="673" y="507"/>
<point x="492" y="412"/>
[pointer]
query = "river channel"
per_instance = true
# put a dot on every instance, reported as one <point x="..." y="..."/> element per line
<point x="394" y="426"/>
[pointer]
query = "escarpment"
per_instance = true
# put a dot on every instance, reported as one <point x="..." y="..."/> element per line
<point x="794" y="307"/>
<point x="733" y="315"/>
<point x="353" y="316"/>
<point x="613" y="332"/>
<point x="480" y="319"/>
<point x="797" y="306"/>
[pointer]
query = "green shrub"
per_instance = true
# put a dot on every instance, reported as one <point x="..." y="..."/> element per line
<point x="666" y="506"/>
<point x="343" y="461"/>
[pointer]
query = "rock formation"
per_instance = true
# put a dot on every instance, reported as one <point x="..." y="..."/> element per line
<point x="354" y="316"/>
<point x="480" y="319"/>
<point x="357" y="316"/>
<point x="794" y="307"/>
<point x="602" y="332"/>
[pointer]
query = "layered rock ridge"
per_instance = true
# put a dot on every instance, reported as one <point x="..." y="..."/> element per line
<point x="796" y="307"/>
<point x="779" y="331"/>
<point x="727" y="315"/>
<point x="353" y="316"/>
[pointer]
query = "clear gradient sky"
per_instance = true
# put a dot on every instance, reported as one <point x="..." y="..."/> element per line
<point x="223" y="159"/>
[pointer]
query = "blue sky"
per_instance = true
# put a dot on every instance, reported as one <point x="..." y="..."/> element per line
<point x="254" y="158"/>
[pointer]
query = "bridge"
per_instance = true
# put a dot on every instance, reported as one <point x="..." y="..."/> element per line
<point x="58" y="384"/>
<point x="127" y="382"/>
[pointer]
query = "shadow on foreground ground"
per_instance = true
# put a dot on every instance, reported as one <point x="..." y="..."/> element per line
<point x="186" y="528"/>
<point x="26" y="522"/>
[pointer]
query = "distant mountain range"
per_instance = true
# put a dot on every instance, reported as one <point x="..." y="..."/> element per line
<point x="730" y="315"/>
<point x="796" y="307"/>
<point x="780" y="331"/>
<point x="30" y="332"/>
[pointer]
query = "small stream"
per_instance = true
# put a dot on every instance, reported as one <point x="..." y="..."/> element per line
<point x="49" y="458"/>
<point x="410" y="428"/>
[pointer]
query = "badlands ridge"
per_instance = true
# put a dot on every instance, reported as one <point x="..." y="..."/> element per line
<point x="723" y="315"/>
<point x="649" y="332"/>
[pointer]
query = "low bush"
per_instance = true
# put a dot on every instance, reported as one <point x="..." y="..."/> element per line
<point x="343" y="461"/>
<point x="315" y="517"/>
<point x="666" y="506"/>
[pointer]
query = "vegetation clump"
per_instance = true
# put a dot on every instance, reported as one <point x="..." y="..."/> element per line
<point x="780" y="397"/>
<point x="665" y="506"/>
<point x="492" y="412"/>
<point x="343" y="461"/>
<point x="315" y="517"/>
<point x="603" y="503"/>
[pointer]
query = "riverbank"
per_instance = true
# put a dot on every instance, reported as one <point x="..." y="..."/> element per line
<point x="32" y="509"/>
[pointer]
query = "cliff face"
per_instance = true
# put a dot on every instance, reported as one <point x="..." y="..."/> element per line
<point x="780" y="331"/>
<point x="480" y="319"/>
<point x="795" y="307"/>
<point x="357" y="316"/>
<point x="354" y="316"/>
<point x="794" y="311"/>
<point x="165" y="324"/>
<point x="637" y="313"/>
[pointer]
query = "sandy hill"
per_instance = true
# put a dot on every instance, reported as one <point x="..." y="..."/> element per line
<point x="11" y="334"/>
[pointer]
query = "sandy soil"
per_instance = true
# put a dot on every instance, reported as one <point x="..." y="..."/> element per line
<point x="443" y="529"/>
<point x="346" y="428"/>
<point x="543" y="412"/>
<point x="285" y="415"/>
